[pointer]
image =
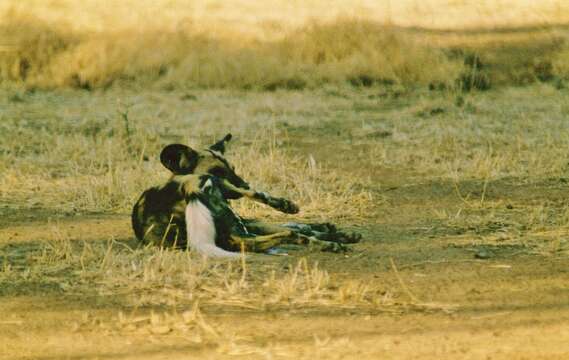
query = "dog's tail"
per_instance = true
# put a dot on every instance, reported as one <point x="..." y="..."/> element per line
<point x="201" y="231"/>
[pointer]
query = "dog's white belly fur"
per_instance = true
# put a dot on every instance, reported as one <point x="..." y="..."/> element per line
<point x="201" y="231"/>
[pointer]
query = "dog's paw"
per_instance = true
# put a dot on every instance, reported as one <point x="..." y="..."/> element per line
<point x="284" y="205"/>
<point x="335" y="248"/>
<point x="352" y="238"/>
<point x="341" y="237"/>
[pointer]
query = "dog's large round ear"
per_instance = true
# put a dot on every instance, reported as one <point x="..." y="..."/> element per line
<point x="179" y="159"/>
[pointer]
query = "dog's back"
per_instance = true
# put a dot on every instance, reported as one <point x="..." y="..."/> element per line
<point x="158" y="216"/>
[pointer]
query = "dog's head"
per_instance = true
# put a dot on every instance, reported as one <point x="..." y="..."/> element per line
<point x="182" y="160"/>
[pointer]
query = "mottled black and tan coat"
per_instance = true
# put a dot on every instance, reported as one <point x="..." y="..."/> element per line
<point x="192" y="209"/>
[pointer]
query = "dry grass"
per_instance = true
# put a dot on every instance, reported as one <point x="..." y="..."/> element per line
<point x="323" y="193"/>
<point x="75" y="152"/>
<point x="199" y="47"/>
<point x="363" y="119"/>
<point x="109" y="159"/>
<point x="163" y="292"/>
<point x="106" y="178"/>
<point x="150" y="277"/>
<point x="81" y="155"/>
<point x="348" y="50"/>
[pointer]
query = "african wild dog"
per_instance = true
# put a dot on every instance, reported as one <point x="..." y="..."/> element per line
<point x="192" y="210"/>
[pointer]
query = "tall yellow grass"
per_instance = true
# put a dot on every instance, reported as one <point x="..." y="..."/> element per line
<point x="181" y="44"/>
<point x="51" y="56"/>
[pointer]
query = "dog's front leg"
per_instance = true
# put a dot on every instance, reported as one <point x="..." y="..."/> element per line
<point x="276" y="203"/>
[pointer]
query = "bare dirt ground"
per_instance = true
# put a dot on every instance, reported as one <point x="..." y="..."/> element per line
<point x="465" y="235"/>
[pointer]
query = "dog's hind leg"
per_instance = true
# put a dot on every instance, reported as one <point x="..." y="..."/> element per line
<point x="269" y="235"/>
<point x="261" y="228"/>
<point x="262" y="243"/>
<point x="323" y="232"/>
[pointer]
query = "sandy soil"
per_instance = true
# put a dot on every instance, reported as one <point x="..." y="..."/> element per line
<point x="498" y="291"/>
<point x="513" y="305"/>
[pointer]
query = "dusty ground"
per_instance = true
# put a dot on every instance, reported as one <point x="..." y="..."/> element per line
<point x="465" y="234"/>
